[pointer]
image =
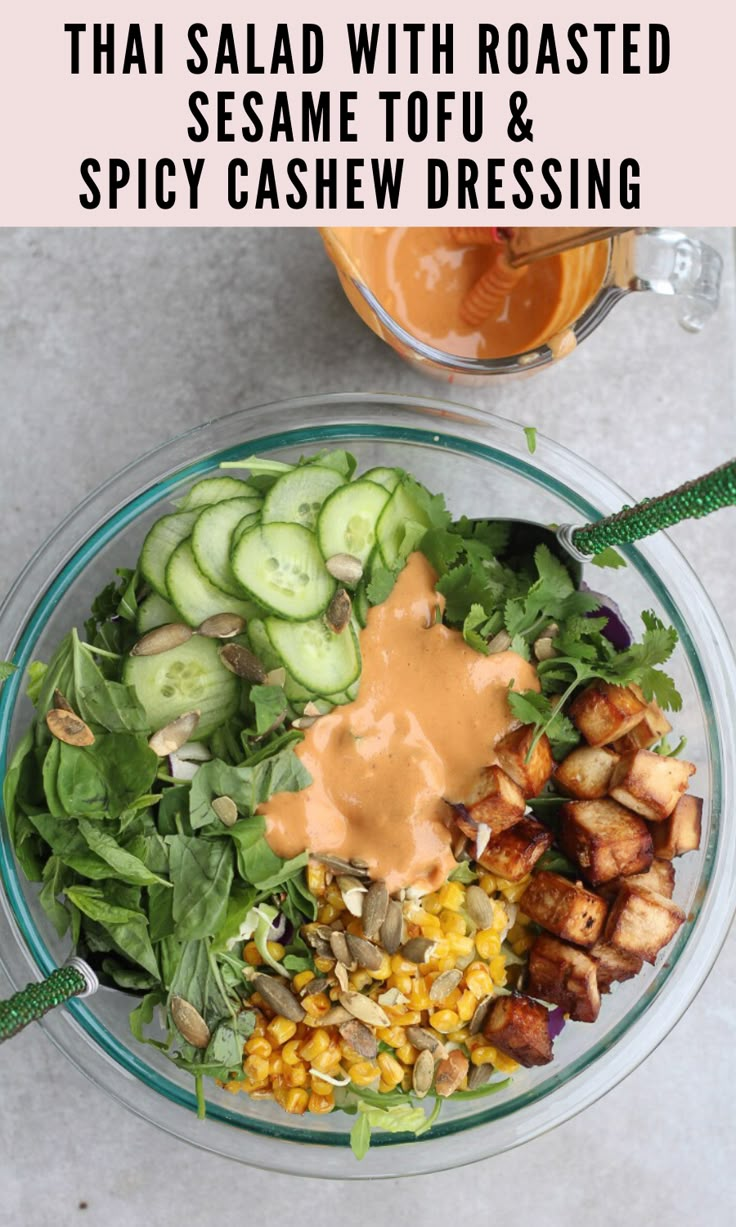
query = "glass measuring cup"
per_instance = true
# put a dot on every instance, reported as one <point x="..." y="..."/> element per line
<point x="660" y="260"/>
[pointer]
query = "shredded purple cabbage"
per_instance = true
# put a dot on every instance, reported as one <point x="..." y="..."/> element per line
<point x="555" y="1022"/>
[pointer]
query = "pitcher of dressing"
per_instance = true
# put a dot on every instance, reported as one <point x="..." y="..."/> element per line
<point x="447" y="300"/>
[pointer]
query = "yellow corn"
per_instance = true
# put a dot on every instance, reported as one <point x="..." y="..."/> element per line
<point x="256" y="1068"/>
<point x="391" y="1070"/>
<point x="327" y="913"/>
<point x="302" y="979"/>
<point x="401" y="966"/>
<point x="384" y="971"/>
<point x="500" y="917"/>
<point x="407" y="1054"/>
<point x="323" y="964"/>
<point x="488" y="883"/>
<point x="258" y="1046"/>
<point x="276" y="950"/>
<point x="419" y="998"/>
<point x="452" y="922"/>
<point x="319" y="1086"/>
<point x="444" y="1021"/>
<point x="295" y="1101"/>
<point x="290" y="1052"/>
<point x="280" y="1030"/>
<point x="498" y="969"/>
<point x="522" y="945"/>
<point x="452" y="896"/>
<point x="360" y="980"/>
<point x="505" y="1064"/>
<point x="391" y="1035"/>
<point x="478" y="980"/>
<point x="316" y="1004"/>
<point x="322" y="1103"/>
<point x="251" y="954"/>
<point x="327" y="1062"/>
<point x="487" y="943"/>
<point x="316" y="878"/>
<point x="296" y="1075"/>
<point x="401" y="981"/>
<point x="275" y="1066"/>
<point x="363" y="1073"/>
<point x="411" y="1018"/>
<point x="460" y="946"/>
<point x="335" y="898"/>
<point x="406" y="1081"/>
<point x="466" y="1006"/>
<point x="317" y="1043"/>
<point x="461" y="1036"/>
<point x="483" y="1054"/>
<point x="431" y="903"/>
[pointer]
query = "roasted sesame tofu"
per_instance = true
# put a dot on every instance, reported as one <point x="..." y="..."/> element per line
<point x="652" y="727"/>
<point x="496" y="801"/>
<point x="564" y="908"/>
<point x="650" y="784"/>
<point x="604" y="839"/>
<point x="642" y="922"/>
<point x="603" y="712"/>
<point x="564" y="975"/>
<point x="681" y="831"/>
<point x="586" y="772"/>
<point x="515" y="852"/>
<point x="518" y="1027"/>
<point x="613" y="965"/>
<point x="512" y="751"/>
<point x="659" y="877"/>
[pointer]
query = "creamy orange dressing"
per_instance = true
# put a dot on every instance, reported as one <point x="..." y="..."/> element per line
<point x="422" y="277"/>
<point x="429" y="711"/>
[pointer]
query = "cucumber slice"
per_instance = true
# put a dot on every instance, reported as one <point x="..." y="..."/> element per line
<point x="295" y="692"/>
<point x="401" y="527"/>
<point x="347" y="522"/>
<point x="154" y="611"/>
<point x="281" y="567"/>
<point x="211" y="539"/>
<point x="261" y="645"/>
<point x="315" y="656"/>
<point x="192" y="595"/>
<point x="216" y="490"/>
<point x="159" y="545"/>
<point x="190" y="676"/>
<point x="246" y="523"/>
<point x="388" y="478"/>
<point x="298" y="496"/>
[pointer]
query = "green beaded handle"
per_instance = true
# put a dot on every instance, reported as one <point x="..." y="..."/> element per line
<point x="693" y="500"/>
<point x="75" y="979"/>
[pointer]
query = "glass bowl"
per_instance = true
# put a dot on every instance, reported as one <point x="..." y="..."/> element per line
<point x="483" y="466"/>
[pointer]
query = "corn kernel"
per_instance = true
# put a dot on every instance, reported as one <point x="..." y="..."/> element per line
<point x="461" y="947"/>
<point x="406" y="1081"/>
<point x="256" y="1068"/>
<point x="323" y="964"/>
<point x="302" y="979"/>
<point x="275" y="1066"/>
<point x="444" y="1021"/>
<point x="498" y="970"/>
<point x="319" y="1086"/>
<point x="316" y="1004"/>
<point x="281" y="1029"/>
<point x="391" y="1071"/>
<point x="317" y="1043"/>
<point x="505" y="1064"/>
<point x="522" y="945"/>
<point x="412" y="1018"/>
<point x="488" y="883"/>
<point x="478" y="980"/>
<point x="316" y="878"/>
<point x="513" y="890"/>
<point x="483" y="1054"/>
<point x="296" y="1075"/>
<point x="452" y="896"/>
<point x="402" y="982"/>
<point x="360" y="980"/>
<point x="466" y="1006"/>
<point x="327" y="1062"/>
<point x="363" y="1073"/>
<point x="261" y="1093"/>
<point x="452" y="922"/>
<point x="401" y="966"/>
<point x="431" y="903"/>
<point x="407" y="1054"/>
<point x="500" y="918"/>
<point x="276" y="950"/>
<point x="321" y="1103"/>
<point x="419" y="999"/>
<point x="334" y="897"/>
<point x="487" y="943"/>
<point x="233" y="1087"/>
<point x="258" y="1046"/>
<point x="296" y="1101"/>
<point x="461" y="1036"/>
<point x="384" y="971"/>
<point x="290" y="1052"/>
<point x="327" y="913"/>
<point x="252" y="954"/>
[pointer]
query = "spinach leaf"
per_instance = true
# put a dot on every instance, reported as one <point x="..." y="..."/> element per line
<point x="56" y="877"/>
<point x="101" y="780"/>
<point x="173" y="811"/>
<point x="196" y="980"/>
<point x="280" y="876"/>
<point x="112" y="705"/>
<point x="67" y="843"/>
<point x="126" y="866"/>
<point x="226" y="1046"/>
<point x="127" y="928"/>
<point x="239" y="904"/>
<point x="59" y="675"/>
<point x="7" y="669"/>
<point x="248" y="786"/>
<point x="270" y="706"/>
<point x="142" y="1016"/>
<point x="202" y="873"/>
<point x="161" y="912"/>
<point x="128" y="977"/>
<point x="11" y="784"/>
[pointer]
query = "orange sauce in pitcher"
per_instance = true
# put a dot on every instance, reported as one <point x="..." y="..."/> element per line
<point x="429" y="712"/>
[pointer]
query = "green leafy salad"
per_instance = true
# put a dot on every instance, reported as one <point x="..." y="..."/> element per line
<point x="164" y="723"/>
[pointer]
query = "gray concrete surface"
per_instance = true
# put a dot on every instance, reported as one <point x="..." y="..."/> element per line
<point x="111" y="341"/>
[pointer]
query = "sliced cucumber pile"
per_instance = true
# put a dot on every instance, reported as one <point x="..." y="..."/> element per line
<point x="260" y="549"/>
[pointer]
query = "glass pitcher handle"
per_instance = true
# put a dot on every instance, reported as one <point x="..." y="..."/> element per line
<point x="669" y="262"/>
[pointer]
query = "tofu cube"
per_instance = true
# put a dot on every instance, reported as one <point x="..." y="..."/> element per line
<point x="564" y="908"/>
<point x="586" y="772"/>
<point x="603" y="712"/>
<point x="518" y="1027"/>
<point x="659" y="877"/>
<point x="565" y="976"/>
<point x="614" y="965"/>
<point x="604" y="839"/>
<point x="514" y="853"/>
<point x="650" y="784"/>
<point x="681" y="831"/>
<point x="496" y="801"/>
<point x="511" y="752"/>
<point x="642" y="922"/>
<point x="653" y="726"/>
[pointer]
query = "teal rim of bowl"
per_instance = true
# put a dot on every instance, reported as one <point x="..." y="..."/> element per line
<point x="60" y="586"/>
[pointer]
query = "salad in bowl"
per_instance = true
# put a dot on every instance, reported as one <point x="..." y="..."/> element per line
<point x="362" y="800"/>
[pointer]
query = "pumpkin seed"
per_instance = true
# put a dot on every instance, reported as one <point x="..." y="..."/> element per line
<point x="59" y="703"/>
<point x="346" y="568"/>
<point x="450" y="1073"/>
<point x="163" y="639"/>
<point x="425" y="1041"/>
<point x="339" y="947"/>
<point x="276" y="677"/>
<point x="173" y="736"/>
<point x="353" y="893"/>
<point x="318" y="985"/>
<point x="316" y="933"/>
<point x="422" y="1075"/>
<point x="479" y="907"/>
<point x="337" y="864"/>
<point x="544" y="648"/>
<point x="392" y="996"/>
<point x="375" y="906"/>
<point x="364" y="1009"/>
<point x="482" y="1010"/>
<point x="360" y="1038"/>
<point x="479" y="1075"/>
<point x="446" y="983"/>
<point x="311" y="709"/>
<point x="341" y="976"/>
<point x="65" y="726"/>
<point x="280" y="998"/>
<point x="243" y="663"/>
<point x="226" y="810"/>
<point x="363" y="952"/>
<point x="221" y="626"/>
<point x="499" y="643"/>
<point x="303" y="722"/>
<point x="339" y="611"/>
<point x="334" y="1017"/>
<point x="418" y="949"/>
<point x="189" y="1023"/>
<point x="393" y="927"/>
